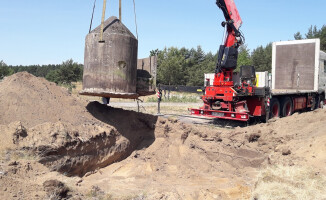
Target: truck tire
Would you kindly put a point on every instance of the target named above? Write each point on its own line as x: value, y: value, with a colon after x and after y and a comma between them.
x: 287, y: 107
x: 275, y: 108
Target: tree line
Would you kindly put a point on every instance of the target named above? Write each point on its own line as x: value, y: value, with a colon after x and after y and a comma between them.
x: 64, y: 73
x: 182, y: 66
x: 176, y: 66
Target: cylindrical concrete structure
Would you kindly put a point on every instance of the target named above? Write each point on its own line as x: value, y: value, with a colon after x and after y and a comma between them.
x: 110, y: 66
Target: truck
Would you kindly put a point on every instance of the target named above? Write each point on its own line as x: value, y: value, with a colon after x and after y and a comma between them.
x: 297, y: 81
x: 298, y: 75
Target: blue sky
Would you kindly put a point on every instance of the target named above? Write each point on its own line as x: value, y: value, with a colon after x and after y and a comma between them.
x: 49, y: 32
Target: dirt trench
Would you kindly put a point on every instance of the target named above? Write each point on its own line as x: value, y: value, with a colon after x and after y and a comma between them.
x: 74, y: 151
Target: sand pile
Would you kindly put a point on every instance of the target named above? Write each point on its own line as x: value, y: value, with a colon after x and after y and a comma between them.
x: 45, y: 120
x: 33, y: 101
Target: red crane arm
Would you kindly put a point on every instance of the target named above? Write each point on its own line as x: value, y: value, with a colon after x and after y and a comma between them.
x: 233, y: 22
x: 228, y: 53
x: 233, y: 13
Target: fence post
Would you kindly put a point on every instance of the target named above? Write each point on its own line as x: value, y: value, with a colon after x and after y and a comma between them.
x: 159, y: 98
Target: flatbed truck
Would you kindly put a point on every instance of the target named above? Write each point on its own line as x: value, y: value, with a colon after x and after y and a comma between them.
x: 297, y: 83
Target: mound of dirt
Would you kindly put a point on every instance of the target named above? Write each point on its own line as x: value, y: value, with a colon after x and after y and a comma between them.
x: 66, y: 136
x: 34, y: 101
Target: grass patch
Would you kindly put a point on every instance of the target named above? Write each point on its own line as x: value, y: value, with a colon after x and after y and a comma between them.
x: 289, y: 182
x: 177, y: 97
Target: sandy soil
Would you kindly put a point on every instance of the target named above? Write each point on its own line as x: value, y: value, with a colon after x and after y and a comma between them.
x: 57, y: 146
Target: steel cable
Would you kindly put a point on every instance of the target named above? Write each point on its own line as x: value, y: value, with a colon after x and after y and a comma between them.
x: 135, y: 19
x: 90, y: 26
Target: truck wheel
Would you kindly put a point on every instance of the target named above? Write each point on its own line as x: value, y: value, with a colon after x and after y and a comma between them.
x: 275, y: 108
x: 287, y: 108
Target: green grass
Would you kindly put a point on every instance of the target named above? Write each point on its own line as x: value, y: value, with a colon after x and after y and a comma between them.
x: 177, y: 97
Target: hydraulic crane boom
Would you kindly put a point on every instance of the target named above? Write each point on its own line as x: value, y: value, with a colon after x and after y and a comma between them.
x: 228, y: 52
x: 232, y: 17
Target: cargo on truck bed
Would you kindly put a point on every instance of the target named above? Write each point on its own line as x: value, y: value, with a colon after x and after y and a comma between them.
x: 298, y: 66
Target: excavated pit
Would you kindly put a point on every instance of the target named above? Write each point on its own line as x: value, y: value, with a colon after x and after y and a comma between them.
x: 74, y: 151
